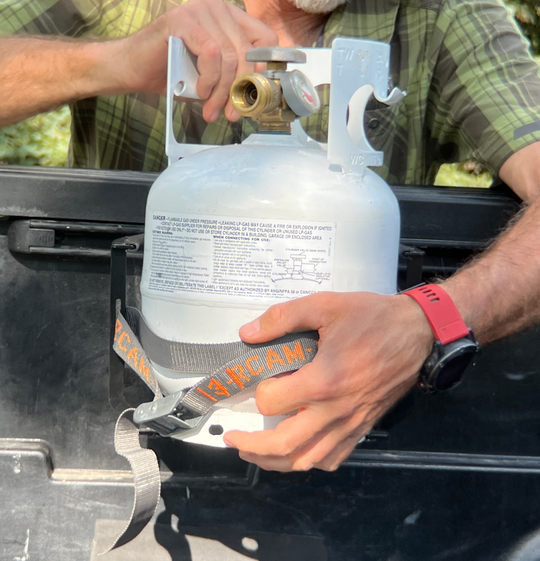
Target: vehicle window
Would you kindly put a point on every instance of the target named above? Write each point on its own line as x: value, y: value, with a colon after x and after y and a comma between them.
x: 43, y: 140
x: 467, y: 174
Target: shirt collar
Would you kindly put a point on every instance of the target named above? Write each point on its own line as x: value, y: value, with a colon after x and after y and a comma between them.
x: 374, y: 20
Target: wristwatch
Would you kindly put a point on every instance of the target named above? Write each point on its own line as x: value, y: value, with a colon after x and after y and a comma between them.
x: 455, y: 347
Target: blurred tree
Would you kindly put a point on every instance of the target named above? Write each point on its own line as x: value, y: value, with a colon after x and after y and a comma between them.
x: 527, y: 14
x: 42, y: 140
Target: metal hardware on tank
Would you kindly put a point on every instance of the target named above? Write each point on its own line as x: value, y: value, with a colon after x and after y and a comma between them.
x: 231, y: 230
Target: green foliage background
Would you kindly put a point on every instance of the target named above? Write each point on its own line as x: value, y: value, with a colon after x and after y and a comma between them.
x: 527, y: 14
x: 44, y: 139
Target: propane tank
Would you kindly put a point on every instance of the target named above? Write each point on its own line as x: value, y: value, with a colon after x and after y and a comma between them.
x: 232, y: 230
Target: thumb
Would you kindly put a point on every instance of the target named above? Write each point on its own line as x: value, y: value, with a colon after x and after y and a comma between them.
x: 296, y: 315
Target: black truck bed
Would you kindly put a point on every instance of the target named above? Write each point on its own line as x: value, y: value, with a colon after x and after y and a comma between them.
x: 453, y: 476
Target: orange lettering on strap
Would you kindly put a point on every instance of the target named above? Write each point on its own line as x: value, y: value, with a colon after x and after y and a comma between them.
x: 271, y: 358
x: 252, y: 371
x: 296, y: 354
x: 133, y: 355
x: 234, y: 377
x: 122, y: 337
x: 239, y: 369
x: 219, y: 388
x: 207, y: 395
x: 144, y: 369
x: 117, y: 328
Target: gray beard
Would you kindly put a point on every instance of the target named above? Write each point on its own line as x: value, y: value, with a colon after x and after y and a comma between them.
x: 317, y: 6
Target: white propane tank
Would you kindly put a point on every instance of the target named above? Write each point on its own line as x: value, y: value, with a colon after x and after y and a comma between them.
x: 232, y: 230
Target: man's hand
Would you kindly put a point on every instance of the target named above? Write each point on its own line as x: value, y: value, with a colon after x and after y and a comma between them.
x: 370, y: 351
x: 218, y: 33
x: 40, y: 73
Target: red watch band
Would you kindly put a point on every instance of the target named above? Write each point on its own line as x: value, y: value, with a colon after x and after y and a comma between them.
x: 443, y: 316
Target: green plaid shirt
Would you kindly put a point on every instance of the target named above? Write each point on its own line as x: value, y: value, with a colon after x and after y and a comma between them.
x: 473, y: 89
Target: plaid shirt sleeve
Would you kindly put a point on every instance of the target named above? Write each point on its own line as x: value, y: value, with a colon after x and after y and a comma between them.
x: 484, y: 96
x: 68, y: 18
x: 473, y: 88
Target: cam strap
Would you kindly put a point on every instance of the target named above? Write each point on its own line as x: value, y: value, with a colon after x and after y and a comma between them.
x: 146, y: 478
x: 227, y: 369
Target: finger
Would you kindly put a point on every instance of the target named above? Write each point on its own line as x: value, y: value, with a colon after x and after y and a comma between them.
x: 300, y: 314
x: 303, y: 459
x: 328, y: 453
x: 214, y: 37
x: 217, y: 63
x: 187, y: 25
x: 337, y: 444
x: 230, y: 113
x: 277, y: 463
x: 325, y: 450
x: 253, y: 34
x: 234, y: 45
x: 340, y: 452
x: 234, y: 41
x: 300, y: 389
x: 290, y: 436
x: 258, y: 33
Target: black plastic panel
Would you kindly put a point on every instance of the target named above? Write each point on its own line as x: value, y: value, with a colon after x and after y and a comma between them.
x: 453, y: 216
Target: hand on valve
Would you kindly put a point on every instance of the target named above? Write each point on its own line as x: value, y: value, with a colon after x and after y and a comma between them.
x: 218, y: 33
x: 371, y: 348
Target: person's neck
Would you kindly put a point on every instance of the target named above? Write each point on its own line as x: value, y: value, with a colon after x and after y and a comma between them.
x: 293, y: 26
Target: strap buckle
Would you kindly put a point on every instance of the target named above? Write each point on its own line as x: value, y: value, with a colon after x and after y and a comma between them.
x: 167, y: 415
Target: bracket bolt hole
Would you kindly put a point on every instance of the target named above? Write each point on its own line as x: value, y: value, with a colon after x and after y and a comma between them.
x: 215, y: 430
x: 250, y: 544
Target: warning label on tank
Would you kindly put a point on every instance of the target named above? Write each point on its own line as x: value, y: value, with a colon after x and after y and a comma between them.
x: 231, y: 259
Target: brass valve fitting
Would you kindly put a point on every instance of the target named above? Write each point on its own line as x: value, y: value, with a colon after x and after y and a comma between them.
x: 254, y: 94
x: 262, y: 97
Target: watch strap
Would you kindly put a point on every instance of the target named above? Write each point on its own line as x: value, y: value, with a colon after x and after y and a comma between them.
x: 443, y: 316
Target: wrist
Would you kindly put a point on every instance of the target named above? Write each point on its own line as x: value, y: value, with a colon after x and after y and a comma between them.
x: 107, y: 75
x: 444, y: 318
x: 455, y: 346
x: 459, y: 290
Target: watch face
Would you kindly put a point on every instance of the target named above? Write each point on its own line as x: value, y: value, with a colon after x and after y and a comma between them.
x: 446, y: 366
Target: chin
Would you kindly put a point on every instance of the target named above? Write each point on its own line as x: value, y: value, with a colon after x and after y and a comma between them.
x: 317, y: 6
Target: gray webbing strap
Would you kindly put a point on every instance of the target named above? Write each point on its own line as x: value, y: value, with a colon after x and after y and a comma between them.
x: 143, y: 462
x: 255, y: 364
x: 230, y: 368
x: 128, y: 348
x: 198, y: 358
x: 190, y: 358
x: 146, y: 475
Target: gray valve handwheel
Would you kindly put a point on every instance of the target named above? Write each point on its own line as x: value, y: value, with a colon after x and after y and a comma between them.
x: 275, y: 54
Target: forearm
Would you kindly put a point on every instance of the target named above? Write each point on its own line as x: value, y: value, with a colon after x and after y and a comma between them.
x: 39, y: 74
x: 498, y: 293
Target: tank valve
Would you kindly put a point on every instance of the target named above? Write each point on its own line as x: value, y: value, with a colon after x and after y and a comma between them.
x: 275, y: 97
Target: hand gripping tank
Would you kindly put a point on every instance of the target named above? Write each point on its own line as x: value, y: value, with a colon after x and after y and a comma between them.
x: 232, y: 230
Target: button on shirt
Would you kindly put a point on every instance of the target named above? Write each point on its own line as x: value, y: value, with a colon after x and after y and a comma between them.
x: 472, y: 87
